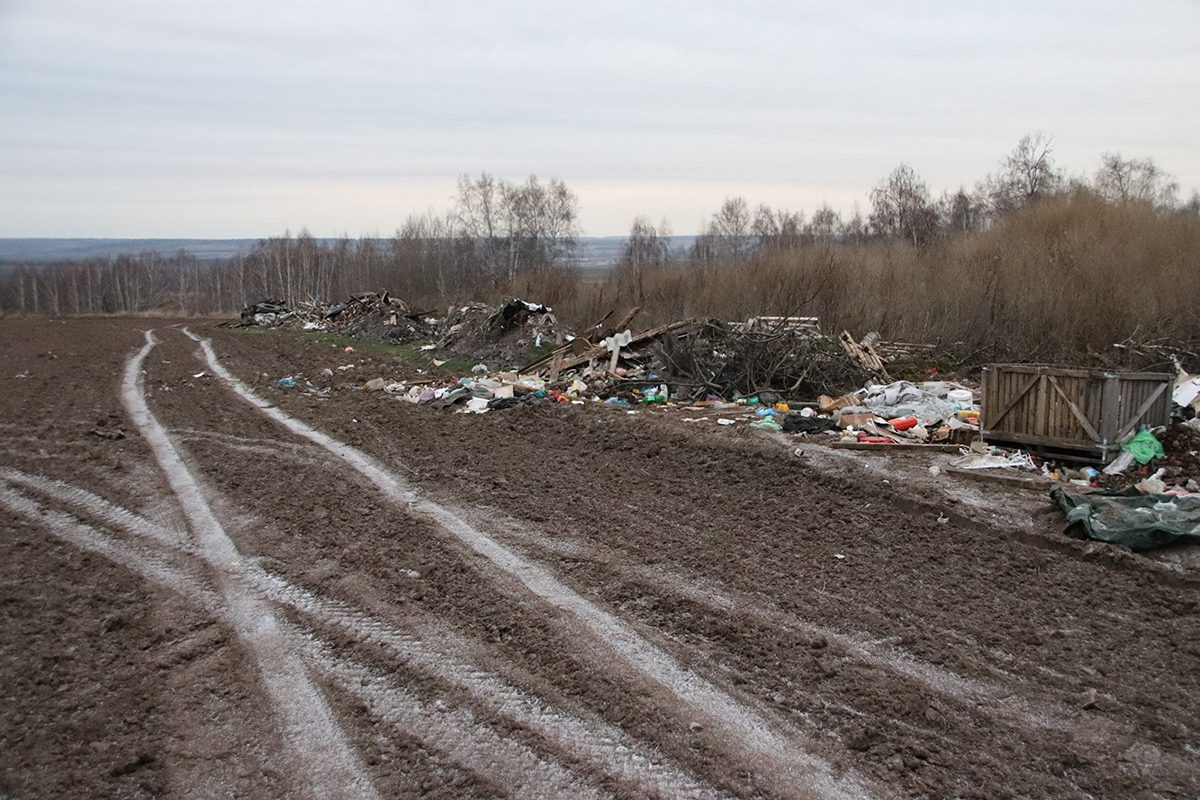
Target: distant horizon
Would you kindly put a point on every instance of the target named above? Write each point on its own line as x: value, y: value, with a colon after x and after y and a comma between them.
x: 17, y: 250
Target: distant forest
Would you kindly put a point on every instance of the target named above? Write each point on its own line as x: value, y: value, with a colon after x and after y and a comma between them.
x: 1029, y: 260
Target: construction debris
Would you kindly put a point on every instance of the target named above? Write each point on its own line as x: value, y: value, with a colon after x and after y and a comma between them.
x: 368, y: 315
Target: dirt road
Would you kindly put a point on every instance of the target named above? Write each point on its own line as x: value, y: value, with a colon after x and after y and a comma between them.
x: 213, y: 587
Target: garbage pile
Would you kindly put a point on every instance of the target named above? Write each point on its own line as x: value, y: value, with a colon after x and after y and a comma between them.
x: 367, y: 315
x: 482, y: 392
x: 724, y: 372
x: 729, y: 373
x: 266, y: 314
x: 506, y: 331
x: 928, y: 412
x: 509, y: 328
x: 376, y: 316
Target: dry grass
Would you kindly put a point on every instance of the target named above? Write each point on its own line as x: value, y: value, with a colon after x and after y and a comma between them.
x: 1063, y: 280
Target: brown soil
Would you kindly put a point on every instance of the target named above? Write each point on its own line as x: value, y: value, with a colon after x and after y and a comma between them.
x: 903, y: 632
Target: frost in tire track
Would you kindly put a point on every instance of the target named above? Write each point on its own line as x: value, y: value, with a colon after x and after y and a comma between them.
x: 784, y: 760
x: 319, y: 750
x: 86, y: 537
x: 455, y: 732
x: 607, y: 749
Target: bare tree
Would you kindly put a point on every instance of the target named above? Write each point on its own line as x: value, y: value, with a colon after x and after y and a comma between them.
x: 646, y: 250
x: 961, y: 212
x: 1027, y: 174
x: 1134, y: 180
x: 826, y: 224
x: 728, y: 233
x: 517, y: 227
x: 479, y: 214
x: 854, y: 229
x: 777, y: 230
x: 900, y: 206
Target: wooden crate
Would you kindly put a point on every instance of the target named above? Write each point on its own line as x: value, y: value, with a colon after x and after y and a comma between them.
x: 1083, y: 412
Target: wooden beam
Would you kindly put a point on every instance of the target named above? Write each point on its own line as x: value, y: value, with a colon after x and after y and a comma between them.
x: 1028, y: 482
x: 929, y: 448
x: 600, y: 351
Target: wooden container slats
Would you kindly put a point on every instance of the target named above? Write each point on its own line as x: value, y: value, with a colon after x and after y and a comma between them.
x: 1090, y: 412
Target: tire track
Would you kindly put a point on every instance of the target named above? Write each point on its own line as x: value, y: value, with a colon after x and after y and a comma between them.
x: 1003, y: 704
x: 454, y: 733
x: 304, y: 454
x: 146, y: 562
x: 607, y: 749
x: 318, y: 749
x: 787, y: 762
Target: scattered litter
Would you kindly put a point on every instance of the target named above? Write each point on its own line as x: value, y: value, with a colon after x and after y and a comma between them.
x: 995, y: 458
x: 477, y: 405
x: 286, y: 383
x: 1120, y: 464
x: 1144, y: 447
x: 1153, y: 484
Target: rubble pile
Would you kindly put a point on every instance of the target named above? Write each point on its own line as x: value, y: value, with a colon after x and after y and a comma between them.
x: 513, y: 327
x: 266, y: 314
x: 375, y: 316
x: 505, y: 331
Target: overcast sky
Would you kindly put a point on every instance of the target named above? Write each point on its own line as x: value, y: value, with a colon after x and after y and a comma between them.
x: 241, y: 119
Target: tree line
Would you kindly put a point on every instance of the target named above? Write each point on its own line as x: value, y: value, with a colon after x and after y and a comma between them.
x: 499, y: 235
x: 966, y: 265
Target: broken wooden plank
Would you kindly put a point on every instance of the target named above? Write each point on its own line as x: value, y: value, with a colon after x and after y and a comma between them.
x: 1027, y: 481
x: 623, y: 322
x: 929, y: 448
x: 600, y: 351
x: 864, y: 353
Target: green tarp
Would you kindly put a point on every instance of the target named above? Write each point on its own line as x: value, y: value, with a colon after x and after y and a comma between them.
x: 1138, y: 521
